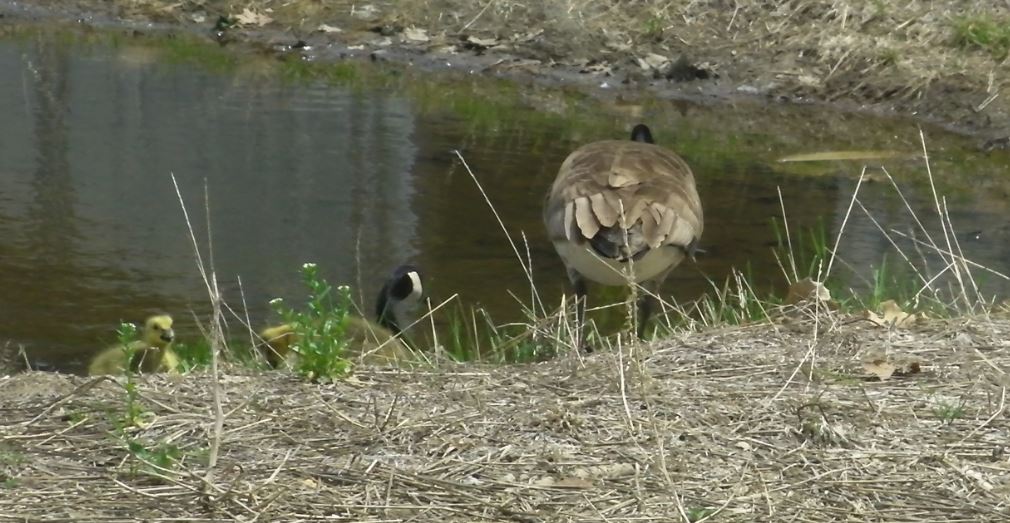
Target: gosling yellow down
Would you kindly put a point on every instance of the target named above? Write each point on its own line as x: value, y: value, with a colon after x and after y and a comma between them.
x: 620, y: 212
x: 152, y: 353
x: 373, y: 342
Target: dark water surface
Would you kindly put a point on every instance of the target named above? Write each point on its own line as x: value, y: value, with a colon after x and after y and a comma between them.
x: 362, y: 179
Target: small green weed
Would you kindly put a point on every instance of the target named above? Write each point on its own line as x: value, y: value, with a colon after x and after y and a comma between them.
x: 321, y: 340
x: 948, y: 412
x: 888, y: 56
x: 984, y: 34
x: 653, y: 28
x: 152, y: 459
x: 75, y: 417
x: 10, y: 457
x: 699, y: 513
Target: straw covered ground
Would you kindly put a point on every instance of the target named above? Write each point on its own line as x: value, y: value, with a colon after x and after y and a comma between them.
x: 785, y: 421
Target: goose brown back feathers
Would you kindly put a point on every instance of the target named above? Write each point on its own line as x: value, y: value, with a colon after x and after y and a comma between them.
x: 653, y: 185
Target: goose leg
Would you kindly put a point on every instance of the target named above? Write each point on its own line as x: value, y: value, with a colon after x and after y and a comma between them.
x: 579, y: 284
x: 648, y: 301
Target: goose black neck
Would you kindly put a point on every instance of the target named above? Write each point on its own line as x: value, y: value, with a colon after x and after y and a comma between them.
x: 384, y: 313
x: 641, y: 133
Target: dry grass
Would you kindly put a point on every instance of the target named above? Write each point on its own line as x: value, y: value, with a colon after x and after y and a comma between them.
x: 766, y: 423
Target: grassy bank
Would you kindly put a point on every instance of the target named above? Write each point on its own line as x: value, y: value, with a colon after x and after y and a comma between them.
x: 935, y: 60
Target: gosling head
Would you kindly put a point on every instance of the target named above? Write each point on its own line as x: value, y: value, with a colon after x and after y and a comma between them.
x: 158, y: 331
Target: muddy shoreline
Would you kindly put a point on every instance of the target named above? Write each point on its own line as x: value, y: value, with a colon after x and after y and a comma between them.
x: 953, y: 101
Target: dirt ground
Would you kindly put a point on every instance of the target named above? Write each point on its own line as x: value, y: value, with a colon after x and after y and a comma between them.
x: 777, y: 422
x: 940, y: 61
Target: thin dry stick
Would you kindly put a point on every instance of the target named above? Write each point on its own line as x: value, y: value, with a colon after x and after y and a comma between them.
x: 960, y: 259
x: 753, y: 294
x: 473, y: 325
x: 215, y: 299
x: 434, y: 331
x: 216, y: 344
x: 789, y: 240
x: 411, y: 324
x: 528, y: 271
x: 248, y: 323
x: 529, y: 263
x: 892, y: 242
x: 624, y: 386
x: 999, y: 410
x: 908, y: 207
x: 939, y: 211
x: 845, y: 220
x: 964, y: 266
x: 629, y: 278
x: 479, y: 14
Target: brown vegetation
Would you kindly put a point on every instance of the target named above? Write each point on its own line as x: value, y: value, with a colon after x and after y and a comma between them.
x: 782, y: 422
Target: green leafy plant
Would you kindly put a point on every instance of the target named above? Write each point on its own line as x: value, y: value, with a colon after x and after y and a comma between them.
x: 162, y: 455
x: 126, y: 334
x: 320, y: 336
x: 152, y: 460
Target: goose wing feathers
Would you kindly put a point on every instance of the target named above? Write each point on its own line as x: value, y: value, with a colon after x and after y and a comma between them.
x: 652, y: 186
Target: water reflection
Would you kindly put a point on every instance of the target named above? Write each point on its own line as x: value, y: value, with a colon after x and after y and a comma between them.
x: 294, y: 174
x: 361, y: 181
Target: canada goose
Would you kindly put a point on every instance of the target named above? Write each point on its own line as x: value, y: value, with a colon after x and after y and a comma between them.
x: 662, y: 223
x: 375, y: 342
x: 152, y: 353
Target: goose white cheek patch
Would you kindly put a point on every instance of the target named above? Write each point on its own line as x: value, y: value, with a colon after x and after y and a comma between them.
x: 415, y: 286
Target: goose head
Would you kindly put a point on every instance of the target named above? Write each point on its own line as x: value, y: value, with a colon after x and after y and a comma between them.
x: 403, y: 288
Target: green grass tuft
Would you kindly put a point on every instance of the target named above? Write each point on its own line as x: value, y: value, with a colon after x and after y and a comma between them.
x: 983, y: 34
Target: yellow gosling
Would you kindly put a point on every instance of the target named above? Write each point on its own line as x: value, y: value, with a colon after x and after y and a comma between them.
x: 152, y: 353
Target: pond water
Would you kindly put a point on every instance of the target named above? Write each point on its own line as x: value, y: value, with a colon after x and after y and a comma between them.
x: 360, y: 178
